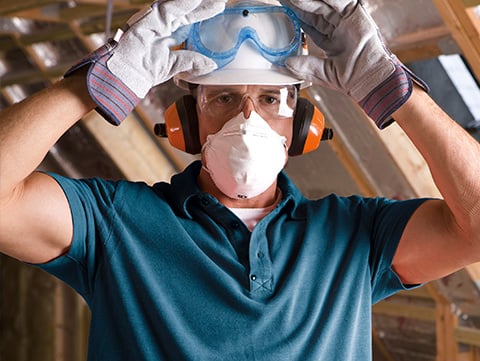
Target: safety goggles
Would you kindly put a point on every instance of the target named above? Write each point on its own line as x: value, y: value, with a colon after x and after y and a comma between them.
x: 225, y: 102
x: 274, y: 30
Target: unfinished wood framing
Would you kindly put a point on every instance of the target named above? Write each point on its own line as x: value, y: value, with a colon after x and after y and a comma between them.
x: 446, y: 323
x: 471, y: 3
x: 417, y: 46
x: 132, y: 148
x: 464, y: 26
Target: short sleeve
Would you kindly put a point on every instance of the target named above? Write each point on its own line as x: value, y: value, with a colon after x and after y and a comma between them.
x: 389, y: 221
x: 92, y: 214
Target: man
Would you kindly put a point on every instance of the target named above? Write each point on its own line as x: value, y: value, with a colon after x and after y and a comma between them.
x: 170, y: 272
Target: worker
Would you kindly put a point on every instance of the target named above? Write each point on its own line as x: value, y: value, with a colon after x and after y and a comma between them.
x: 229, y: 261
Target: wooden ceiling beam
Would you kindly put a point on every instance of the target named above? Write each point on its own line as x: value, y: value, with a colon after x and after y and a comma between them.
x: 49, y: 35
x: 426, y: 35
x: 118, y: 20
x: 116, y: 3
x: 59, y: 14
x: 7, y: 42
x: 8, y: 7
x: 104, y: 2
x: 31, y: 76
x: 60, y: 11
x: 470, y: 3
x: 465, y: 28
x: 132, y: 149
x: 419, y: 45
x: 418, y: 53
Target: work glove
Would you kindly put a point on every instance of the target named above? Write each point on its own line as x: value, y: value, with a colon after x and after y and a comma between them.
x: 356, y: 61
x: 142, y: 55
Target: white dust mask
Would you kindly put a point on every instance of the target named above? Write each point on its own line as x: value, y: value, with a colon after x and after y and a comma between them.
x: 245, y: 156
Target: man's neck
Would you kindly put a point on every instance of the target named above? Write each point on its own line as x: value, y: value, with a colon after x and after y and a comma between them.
x: 263, y: 200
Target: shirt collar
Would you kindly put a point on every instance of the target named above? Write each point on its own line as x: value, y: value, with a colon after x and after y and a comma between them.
x: 184, y: 187
x: 292, y: 197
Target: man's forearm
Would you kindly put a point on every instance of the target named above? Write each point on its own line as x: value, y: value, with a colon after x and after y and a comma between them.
x: 30, y: 128
x: 451, y: 154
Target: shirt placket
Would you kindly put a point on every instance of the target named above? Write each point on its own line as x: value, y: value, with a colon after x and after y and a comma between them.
x: 251, y: 248
x: 261, y: 277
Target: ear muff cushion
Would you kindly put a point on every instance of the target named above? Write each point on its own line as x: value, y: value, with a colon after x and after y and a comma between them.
x: 182, y: 125
x: 308, y: 128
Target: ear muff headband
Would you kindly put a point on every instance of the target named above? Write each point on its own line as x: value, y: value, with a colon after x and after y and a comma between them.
x: 181, y: 127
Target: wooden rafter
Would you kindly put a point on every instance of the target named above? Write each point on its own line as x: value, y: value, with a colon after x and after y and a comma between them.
x: 465, y: 28
x: 8, y: 7
x: 470, y: 3
x: 419, y: 45
x: 58, y: 11
x: 131, y: 148
x: 14, y: 7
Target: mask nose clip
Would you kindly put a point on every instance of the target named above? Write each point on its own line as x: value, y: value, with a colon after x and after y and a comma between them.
x: 247, y: 106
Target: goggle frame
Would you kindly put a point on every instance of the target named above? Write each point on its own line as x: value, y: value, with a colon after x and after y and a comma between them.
x: 273, y: 55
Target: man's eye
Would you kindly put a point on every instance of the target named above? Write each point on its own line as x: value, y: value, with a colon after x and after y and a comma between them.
x: 269, y: 100
x: 224, y: 99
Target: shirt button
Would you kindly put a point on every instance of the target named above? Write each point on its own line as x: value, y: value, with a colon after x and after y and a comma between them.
x: 205, y: 201
x: 253, y: 277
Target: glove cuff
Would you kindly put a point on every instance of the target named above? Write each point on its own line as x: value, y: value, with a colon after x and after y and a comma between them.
x: 114, y: 99
x: 390, y: 95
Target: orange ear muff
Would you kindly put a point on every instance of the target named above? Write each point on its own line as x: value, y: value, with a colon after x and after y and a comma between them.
x: 308, y: 128
x: 181, y: 125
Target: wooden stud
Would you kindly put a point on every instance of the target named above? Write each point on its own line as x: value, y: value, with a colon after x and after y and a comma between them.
x: 446, y: 323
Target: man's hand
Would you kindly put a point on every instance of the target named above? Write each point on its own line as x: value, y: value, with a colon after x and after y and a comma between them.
x: 357, y: 63
x: 125, y: 69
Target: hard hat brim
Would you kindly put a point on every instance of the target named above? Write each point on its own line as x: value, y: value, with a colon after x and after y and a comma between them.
x: 241, y: 77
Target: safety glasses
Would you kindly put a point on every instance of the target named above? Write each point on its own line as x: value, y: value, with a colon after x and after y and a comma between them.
x: 225, y: 102
x: 274, y: 30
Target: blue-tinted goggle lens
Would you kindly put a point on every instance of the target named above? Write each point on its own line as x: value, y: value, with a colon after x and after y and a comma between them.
x: 274, y: 30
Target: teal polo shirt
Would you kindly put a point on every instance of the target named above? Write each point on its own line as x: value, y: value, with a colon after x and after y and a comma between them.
x: 169, y: 273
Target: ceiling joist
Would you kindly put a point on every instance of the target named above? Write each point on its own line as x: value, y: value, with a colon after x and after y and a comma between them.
x: 464, y: 25
x: 419, y: 45
x: 8, y: 7
x: 57, y: 13
x: 471, y: 3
